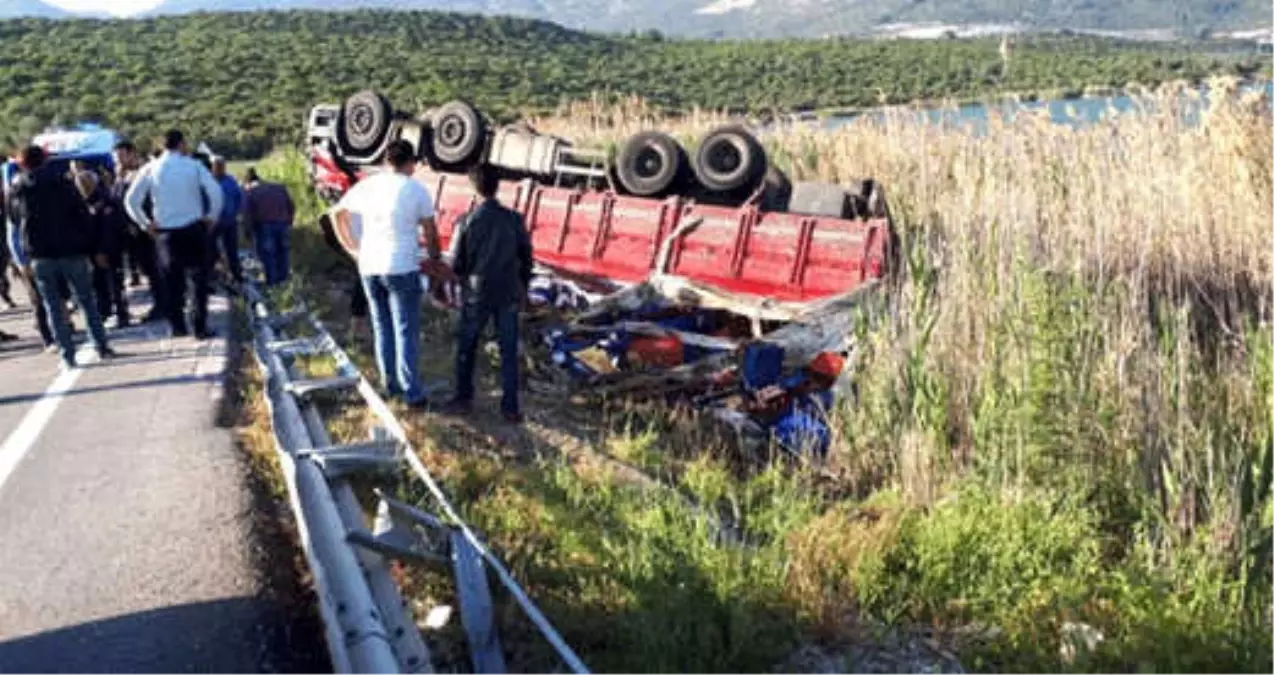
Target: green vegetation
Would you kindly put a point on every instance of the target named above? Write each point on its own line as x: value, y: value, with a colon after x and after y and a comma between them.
x: 243, y: 82
x: 1059, y: 458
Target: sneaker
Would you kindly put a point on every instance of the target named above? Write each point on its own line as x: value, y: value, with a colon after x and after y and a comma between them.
x: 8, y: 337
x: 51, y: 348
x: 106, y: 353
x: 180, y: 333
x: 206, y: 334
x: 420, y: 404
x: 513, y: 418
x: 66, y: 366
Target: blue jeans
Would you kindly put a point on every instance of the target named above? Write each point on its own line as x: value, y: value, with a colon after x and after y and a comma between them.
x: 394, y: 308
x: 474, y: 316
x: 49, y: 273
x: 272, y: 249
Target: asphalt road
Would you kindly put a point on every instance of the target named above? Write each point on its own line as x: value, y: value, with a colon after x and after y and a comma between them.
x: 128, y: 536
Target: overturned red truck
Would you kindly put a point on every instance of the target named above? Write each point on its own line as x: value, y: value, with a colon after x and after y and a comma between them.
x: 703, y: 272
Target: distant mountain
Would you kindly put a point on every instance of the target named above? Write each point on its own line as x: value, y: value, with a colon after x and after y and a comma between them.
x: 804, y: 18
x: 12, y: 9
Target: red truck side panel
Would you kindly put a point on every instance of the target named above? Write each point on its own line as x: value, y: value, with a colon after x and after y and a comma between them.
x: 784, y: 256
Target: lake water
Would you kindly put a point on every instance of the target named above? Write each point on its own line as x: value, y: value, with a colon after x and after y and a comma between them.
x: 1070, y: 112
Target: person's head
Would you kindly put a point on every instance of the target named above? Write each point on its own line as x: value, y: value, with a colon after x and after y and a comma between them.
x: 250, y: 176
x: 78, y: 166
x: 32, y: 157
x: 401, y: 156
x: 218, y: 166
x: 175, y: 141
x: 484, y: 179
x: 125, y: 156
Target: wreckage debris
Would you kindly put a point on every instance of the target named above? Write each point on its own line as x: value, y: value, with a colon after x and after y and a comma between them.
x: 648, y: 345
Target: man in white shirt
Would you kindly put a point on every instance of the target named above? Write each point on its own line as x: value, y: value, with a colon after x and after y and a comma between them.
x: 395, y: 210
x: 186, y: 199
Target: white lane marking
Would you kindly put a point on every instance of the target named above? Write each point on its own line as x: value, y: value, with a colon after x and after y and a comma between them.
x: 20, y: 442
x: 23, y: 438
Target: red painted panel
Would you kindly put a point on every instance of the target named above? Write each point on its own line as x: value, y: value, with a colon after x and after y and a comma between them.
x: 783, y: 256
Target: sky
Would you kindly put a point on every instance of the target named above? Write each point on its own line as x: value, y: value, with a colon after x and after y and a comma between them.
x: 116, y: 7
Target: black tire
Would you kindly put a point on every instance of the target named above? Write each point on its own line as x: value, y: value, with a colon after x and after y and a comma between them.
x: 364, y: 122
x: 651, y: 164
x: 730, y: 160
x: 457, y: 134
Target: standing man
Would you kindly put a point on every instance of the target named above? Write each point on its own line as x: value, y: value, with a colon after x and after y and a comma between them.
x: 491, y: 254
x: 225, y: 237
x: 270, y: 213
x: 58, y: 238
x: 179, y: 187
x: 108, y: 273
x: 395, y: 210
x: 23, y: 266
x: 139, y: 242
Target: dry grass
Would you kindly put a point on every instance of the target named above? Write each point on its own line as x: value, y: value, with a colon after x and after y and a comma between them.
x: 1063, y: 416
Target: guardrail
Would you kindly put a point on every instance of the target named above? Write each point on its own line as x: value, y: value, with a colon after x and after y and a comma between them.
x: 369, y: 627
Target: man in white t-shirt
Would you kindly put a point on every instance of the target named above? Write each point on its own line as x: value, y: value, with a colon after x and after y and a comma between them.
x: 394, y: 211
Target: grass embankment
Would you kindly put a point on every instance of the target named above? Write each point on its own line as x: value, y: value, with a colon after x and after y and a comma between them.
x: 1059, y: 457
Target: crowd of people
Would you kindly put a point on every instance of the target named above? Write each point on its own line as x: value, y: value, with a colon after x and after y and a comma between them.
x: 78, y: 233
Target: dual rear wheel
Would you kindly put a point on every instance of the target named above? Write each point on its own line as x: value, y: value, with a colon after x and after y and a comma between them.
x: 728, y: 163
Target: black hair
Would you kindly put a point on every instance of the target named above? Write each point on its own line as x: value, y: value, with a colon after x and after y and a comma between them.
x: 251, y: 175
x: 400, y: 153
x: 484, y: 179
x: 173, y: 139
x: 32, y: 157
x: 126, y: 146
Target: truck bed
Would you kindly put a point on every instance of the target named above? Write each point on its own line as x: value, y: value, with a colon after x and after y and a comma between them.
x: 783, y: 257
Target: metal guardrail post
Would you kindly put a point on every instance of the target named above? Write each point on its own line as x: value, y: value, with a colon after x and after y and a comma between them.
x: 357, y: 640
x: 357, y: 597
x: 391, y: 426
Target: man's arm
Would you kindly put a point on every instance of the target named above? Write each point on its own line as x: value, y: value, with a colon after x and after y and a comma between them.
x: 428, y: 225
x: 459, y: 248
x: 135, y: 200
x: 212, y: 190
x: 291, y: 207
x: 526, y: 260
x: 433, y: 243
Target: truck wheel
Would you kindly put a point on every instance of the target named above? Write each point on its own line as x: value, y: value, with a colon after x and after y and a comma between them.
x: 458, y: 132
x: 364, y: 122
x: 651, y: 164
x: 730, y: 160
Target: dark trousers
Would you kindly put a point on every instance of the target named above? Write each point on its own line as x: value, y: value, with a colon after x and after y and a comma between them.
x: 183, y: 252
x: 143, y: 256
x: 272, y: 249
x: 4, y: 280
x: 37, y: 301
x: 108, y: 286
x: 224, y: 245
x: 474, y: 316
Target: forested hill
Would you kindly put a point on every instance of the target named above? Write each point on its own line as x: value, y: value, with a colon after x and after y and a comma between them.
x: 244, y: 81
